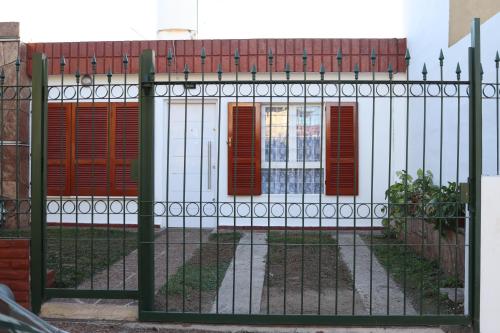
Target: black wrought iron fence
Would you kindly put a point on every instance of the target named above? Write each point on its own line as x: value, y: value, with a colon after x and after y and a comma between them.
x: 261, y: 197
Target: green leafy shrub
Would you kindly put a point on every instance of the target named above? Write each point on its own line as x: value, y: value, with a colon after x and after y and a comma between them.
x: 420, y: 198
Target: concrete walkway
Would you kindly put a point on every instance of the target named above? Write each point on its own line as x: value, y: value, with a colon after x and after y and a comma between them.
x: 125, y: 270
x: 380, y: 289
x: 242, y: 275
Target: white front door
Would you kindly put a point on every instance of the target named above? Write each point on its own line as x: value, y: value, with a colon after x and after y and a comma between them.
x: 192, y: 164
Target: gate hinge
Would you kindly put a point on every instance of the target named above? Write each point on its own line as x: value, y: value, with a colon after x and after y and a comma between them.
x: 464, y: 193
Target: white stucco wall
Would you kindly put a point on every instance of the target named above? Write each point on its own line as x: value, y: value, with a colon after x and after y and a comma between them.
x: 382, y: 175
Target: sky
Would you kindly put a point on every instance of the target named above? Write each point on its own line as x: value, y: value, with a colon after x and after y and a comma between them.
x: 66, y: 20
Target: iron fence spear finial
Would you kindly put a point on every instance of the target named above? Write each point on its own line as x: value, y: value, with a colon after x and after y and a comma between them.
x: 186, y: 72
x: 62, y: 63
x: 287, y: 71
x: 219, y: 72
x: 169, y: 56
x: 356, y: 71
x: 458, y: 71
x: 203, y: 55
x: 407, y: 57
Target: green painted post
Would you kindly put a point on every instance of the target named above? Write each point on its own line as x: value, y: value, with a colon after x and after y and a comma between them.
x: 38, y: 179
x: 146, y: 181
x: 475, y: 169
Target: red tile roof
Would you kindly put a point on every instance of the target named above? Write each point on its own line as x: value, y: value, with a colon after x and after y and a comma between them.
x: 252, y: 51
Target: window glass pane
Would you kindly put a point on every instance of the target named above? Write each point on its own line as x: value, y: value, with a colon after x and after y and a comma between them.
x: 311, y: 119
x: 279, y: 181
x: 275, y: 116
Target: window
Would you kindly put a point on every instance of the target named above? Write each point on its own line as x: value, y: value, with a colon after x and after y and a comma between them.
x: 296, y: 170
x: 91, y: 148
x: 276, y: 119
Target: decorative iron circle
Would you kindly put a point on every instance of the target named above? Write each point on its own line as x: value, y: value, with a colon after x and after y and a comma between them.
x: 228, y: 90
x: 134, y: 209
x: 279, y: 90
x: 489, y: 91
x: 71, y: 209
x: 399, y: 89
x: 225, y: 204
x: 245, y: 90
x: 190, y: 209
x: 290, y: 210
x: 262, y: 90
x: 101, y: 91
x: 88, y: 208
x: 308, y: 212
x: 69, y: 92
x: 365, y: 90
x: 328, y: 208
x: 176, y: 205
x: 361, y: 215
x: 103, y: 207
x: 255, y: 209
x: 213, y: 209
x: 382, y: 89
x: 133, y: 91
x: 246, y: 213
x: 116, y: 206
x: 330, y: 90
x: 343, y: 213
x: 279, y: 207
x: 451, y: 93
x: 85, y: 92
x: 380, y: 210
x: 211, y: 90
x: 25, y: 93
x: 160, y: 208
x: 348, y: 90
x: 433, y: 90
x: 296, y: 90
x: 52, y: 207
x: 117, y: 91
x: 54, y: 93
x: 314, y: 90
x: 416, y: 90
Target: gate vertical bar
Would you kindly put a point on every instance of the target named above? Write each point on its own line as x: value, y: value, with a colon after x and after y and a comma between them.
x: 475, y: 169
x: 38, y: 179
x: 146, y: 181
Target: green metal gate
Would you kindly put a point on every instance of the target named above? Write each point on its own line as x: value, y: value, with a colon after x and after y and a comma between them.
x: 346, y: 254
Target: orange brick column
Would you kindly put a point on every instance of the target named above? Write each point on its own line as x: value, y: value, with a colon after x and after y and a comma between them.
x: 15, y: 268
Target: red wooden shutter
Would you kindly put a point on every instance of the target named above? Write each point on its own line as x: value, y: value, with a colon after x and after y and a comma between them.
x: 126, y: 147
x: 58, y: 149
x: 244, y: 171
x: 341, y: 164
x: 90, y: 174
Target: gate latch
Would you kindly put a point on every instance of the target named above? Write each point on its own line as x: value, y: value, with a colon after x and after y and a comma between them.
x: 464, y: 193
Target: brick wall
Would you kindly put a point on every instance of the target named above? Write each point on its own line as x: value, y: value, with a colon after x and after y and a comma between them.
x: 15, y: 268
x: 15, y: 133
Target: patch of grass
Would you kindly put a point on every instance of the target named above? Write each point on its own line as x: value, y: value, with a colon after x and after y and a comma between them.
x: 296, y: 238
x: 77, y: 254
x: 189, y: 274
x: 419, y: 274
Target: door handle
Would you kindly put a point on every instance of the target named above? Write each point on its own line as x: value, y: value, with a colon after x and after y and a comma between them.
x: 209, y: 165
